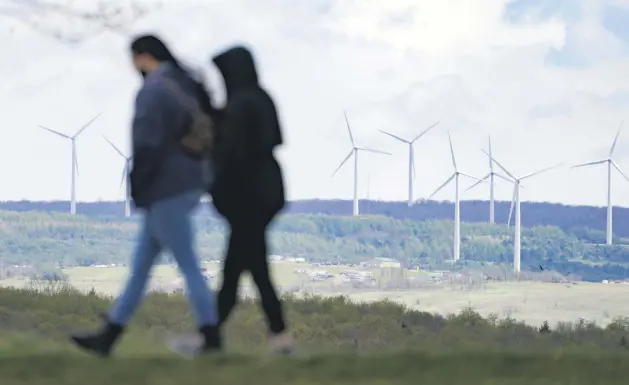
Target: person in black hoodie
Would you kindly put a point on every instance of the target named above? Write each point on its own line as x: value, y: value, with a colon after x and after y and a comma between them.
x: 248, y: 189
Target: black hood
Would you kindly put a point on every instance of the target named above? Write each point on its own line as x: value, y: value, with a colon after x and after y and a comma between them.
x: 238, y: 69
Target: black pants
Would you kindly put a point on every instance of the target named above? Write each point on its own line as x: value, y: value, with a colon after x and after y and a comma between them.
x: 247, y: 251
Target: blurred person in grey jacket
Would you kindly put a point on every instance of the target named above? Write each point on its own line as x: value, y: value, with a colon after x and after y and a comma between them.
x: 167, y: 183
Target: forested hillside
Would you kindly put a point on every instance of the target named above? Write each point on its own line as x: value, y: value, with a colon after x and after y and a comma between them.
x: 533, y: 214
x: 58, y: 239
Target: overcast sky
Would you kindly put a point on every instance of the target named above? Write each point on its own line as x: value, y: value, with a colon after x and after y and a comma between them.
x: 547, y: 79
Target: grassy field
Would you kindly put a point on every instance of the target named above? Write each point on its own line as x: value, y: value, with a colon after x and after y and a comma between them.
x: 402, y: 368
x: 108, y: 280
x: 379, y: 343
x: 25, y: 361
x: 532, y: 302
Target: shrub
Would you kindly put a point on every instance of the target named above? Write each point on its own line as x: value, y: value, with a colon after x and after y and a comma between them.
x: 321, y: 323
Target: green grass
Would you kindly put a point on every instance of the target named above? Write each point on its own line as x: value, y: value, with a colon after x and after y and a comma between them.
x: 380, y: 343
x: 331, y: 369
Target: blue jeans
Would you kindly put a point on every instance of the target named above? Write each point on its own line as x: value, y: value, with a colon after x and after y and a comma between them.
x: 167, y: 225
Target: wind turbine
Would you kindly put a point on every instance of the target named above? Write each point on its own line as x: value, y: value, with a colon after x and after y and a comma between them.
x: 354, y: 151
x: 492, y: 183
x: 411, y: 159
x: 457, y: 203
x: 610, y: 162
x: 515, y: 201
x: 75, y: 164
x: 125, y: 173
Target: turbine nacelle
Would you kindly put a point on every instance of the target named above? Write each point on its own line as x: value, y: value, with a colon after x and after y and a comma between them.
x: 457, y: 218
x: 411, y: 152
x: 456, y: 173
x: 354, y: 151
x: 75, y: 163
x: 610, y: 162
x: 517, y: 182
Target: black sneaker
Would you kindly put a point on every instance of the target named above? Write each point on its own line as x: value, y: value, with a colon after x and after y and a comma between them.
x: 100, y: 343
x: 212, y: 341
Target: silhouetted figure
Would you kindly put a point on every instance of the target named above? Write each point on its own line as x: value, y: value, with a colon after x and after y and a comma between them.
x: 249, y: 189
x: 167, y: 181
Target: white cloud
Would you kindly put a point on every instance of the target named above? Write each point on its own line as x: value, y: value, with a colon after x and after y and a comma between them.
x: 398, y: 65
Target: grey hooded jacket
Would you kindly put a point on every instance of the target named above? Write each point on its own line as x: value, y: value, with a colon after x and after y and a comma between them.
x: 161, y: 169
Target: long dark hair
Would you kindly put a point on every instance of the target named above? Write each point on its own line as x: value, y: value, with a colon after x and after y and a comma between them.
x: 154, y: 46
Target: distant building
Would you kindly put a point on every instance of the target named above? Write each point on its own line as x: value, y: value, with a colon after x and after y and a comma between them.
x: 377, y: 263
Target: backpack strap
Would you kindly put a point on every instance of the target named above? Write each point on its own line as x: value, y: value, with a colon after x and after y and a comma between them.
x: 199, y: 136
x: 188, y: 102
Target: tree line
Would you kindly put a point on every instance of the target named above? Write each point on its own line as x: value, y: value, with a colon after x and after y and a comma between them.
x: 53, y: 240
x: 533, y: 213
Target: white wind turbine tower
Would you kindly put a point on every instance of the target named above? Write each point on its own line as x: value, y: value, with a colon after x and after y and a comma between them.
x: 610, y: 162
x: 411, y: 158
x: 492, y: 184
x: 457, y: 202
x: 125, y: 173
x: 75, y: 164
x: 515, y: 201
x: 354, y: 151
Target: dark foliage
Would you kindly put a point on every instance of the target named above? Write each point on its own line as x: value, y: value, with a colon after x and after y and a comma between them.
x: 575, y: 218
x: 333, y: 323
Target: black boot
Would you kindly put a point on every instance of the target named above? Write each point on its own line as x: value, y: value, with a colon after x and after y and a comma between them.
x: 100, y: 343
x: 211, y: 338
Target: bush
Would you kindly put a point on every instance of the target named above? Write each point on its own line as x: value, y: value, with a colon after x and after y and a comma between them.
x: 320, y: 323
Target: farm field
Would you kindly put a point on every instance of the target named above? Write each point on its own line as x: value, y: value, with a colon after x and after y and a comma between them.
x: 531, y: 302
x: 108, y: 280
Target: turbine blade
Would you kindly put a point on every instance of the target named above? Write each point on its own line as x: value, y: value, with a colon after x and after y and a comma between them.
x: 86, y: 125
x: 541, y: 171
x: 515, y: 190
x: 501, y: 166
x: 443, y: 185
x: 394, y: 136
x: 423, y: 132
x: 372, y: 150
x: 115, y: 148
x: 452, y: 151
x: 471, y: 176
x: 76, y: 157
x: 124, y: 174
x: 503, y: 177
x: 589, y: 163
x: 343, y: 162
x: 54, y: 132
x: 620, y: 171
x: 611, y: 152
x: 491, y: 163
x: 412, y: 159
x: 351, y: 137
x: 477, y: 183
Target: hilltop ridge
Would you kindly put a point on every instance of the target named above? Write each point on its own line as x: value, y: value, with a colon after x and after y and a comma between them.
x: 533, y: 213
